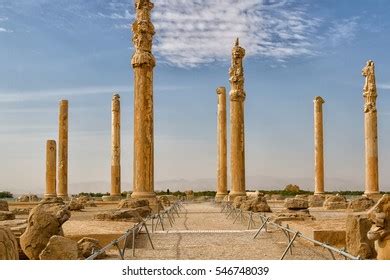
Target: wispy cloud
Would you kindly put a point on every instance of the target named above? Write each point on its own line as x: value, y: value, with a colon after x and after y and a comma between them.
x: 342, y: 31
x: 190, y: 32
x: 21, y: 96
x: 3, y: 29
x: 385, y: 86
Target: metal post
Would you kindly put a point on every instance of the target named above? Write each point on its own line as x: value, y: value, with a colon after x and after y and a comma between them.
x: 262, y: 226
x: 289, y: 245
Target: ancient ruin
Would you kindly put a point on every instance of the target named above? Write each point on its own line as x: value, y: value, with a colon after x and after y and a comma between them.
x: 370, y: 129
x: 143, y: 63
x: 237, y: 98
x: 115, y: 193
x: 51, y: 170
x: 318, y: 146
x: 63, y: 150
x: 222, y: 146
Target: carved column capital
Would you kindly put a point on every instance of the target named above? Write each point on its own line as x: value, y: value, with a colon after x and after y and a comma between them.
x: 236, y: 73
x: 143, y: 31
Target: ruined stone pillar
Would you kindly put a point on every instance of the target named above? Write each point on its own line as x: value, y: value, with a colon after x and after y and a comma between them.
x: 318, y: 146
x: 143, y: 63
x: 51, y: 171
x: 371, y: 130
x: 237, y: 98
x: 221, y: 144
x: 116, y: 147
x: 63, y: 150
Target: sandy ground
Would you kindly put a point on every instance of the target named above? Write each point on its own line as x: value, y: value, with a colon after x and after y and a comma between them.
x: 203, y: 232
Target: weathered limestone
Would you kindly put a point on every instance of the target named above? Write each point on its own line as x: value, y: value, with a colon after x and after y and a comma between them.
x: 8, y: 245
x: 115, y: 193
x: 334, y: 202
x: 4, y: 205
x: 143, y: 63
x: 318, y: 146
x: 44, y: 221
x: 255, y: 204
x: 380, y: 230
x: 63, y: 150
x: 51, y: 171
x: 371, y: 129
x: 357, y: 243
x: 87, y: 246
x: 60, y: 248
x: 296, y: 203
x: 360, y: 204
x: 237, y: 98
x: 222, y: 146
x: 6, y: 215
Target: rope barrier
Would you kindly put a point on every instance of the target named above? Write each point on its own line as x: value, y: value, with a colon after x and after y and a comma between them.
x: 228, y: 208
x: 137, y: 228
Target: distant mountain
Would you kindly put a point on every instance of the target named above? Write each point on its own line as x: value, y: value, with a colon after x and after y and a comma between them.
x: 203, y: 184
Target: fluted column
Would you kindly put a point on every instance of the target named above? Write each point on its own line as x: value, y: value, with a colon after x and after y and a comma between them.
x: 370, y: 129
x: 143, y: 63
x: 115, y: 147
x: 51, y: 171
x: 237, y: 98
x: 63, y: 150
x: 221, y: 145
x: 318, y: 146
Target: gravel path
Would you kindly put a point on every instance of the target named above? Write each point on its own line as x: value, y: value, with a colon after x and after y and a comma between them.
x: 202, y: 232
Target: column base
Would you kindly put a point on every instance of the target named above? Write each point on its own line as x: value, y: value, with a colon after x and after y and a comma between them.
x: 49, y: 195
x: 142, y: 195
x: 319, y: 193
x: 233, y: 195
x: 220, y: 196
x: 111, y: 197
x: 373, y: 195
x: 154, y: 203
x: 64, y: 197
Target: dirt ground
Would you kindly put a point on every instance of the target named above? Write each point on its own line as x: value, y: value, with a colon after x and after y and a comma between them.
x: 202, y: 232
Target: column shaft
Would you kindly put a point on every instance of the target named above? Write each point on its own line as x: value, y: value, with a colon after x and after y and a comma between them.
x: 51, y: 172
x: 237, y: 98
x: 63, y: 150
x: 221, y: 145
x: 143, y: 63
x: 116, y: 146
x: 370, y: 130
x: 318, y: 146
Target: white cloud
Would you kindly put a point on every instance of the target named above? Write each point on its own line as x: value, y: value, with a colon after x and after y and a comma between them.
x: 193, y: 32
x: 344, y: 30
x: 5, y: 30
x: 22, y: 96
x: 384, y: 86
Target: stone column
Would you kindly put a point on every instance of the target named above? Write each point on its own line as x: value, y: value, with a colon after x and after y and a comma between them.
x: 318, y: 146
x: 116, y: 148
x: 63, y: 150
x: 51, y: 171
x: 221, y: 144
x: 237, y: 98
x: 143, y: 63
x: 371, y: 131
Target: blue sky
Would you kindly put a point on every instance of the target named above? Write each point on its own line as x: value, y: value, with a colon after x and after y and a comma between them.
x: 80, y: 50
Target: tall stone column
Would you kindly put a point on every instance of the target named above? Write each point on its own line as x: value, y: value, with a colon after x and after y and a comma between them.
x: 237, y: 98
x: 116, y: 148
x: 318, y: 146
x: 51, y: 171
x: 371, y: 130
x: 143, y: 63
x: 222, y: 146
x: 63, y: 150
